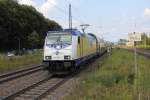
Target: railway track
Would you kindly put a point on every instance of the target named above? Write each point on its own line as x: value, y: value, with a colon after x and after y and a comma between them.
x: 143, y: 52
x: 42, y: 88
x: 39, y: 90
x: 20, y: 73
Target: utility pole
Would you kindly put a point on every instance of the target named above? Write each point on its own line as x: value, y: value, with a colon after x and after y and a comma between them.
x: 84, y: 26
x: 145, y: 38
x: 137, y: 81
x: 135, y: 55
x: 19, y: 45
x: 70, y: 17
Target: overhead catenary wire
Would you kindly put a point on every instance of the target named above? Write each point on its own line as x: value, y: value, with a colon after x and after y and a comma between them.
x: 73, y: 17
x: 65, y: 12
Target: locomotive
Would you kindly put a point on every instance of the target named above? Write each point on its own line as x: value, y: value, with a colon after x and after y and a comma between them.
x: 66, y: 50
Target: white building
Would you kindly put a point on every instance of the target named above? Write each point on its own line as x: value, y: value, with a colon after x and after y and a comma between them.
x: 132, y: 38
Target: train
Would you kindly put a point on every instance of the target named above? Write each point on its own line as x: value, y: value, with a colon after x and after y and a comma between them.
x: 66, y: 50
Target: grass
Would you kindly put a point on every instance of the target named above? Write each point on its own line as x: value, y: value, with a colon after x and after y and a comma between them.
x: 116, y: 79
x: 10, y: 64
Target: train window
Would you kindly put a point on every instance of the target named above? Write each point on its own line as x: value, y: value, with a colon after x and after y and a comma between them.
x: 78, y: 40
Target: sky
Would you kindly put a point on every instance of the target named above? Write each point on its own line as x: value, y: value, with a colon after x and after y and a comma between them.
x: 108, y: 19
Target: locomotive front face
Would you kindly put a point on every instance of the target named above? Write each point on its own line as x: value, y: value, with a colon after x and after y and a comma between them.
x: 58, y: 47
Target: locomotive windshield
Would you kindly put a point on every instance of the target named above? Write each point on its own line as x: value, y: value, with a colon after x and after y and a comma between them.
x: 58, y: 38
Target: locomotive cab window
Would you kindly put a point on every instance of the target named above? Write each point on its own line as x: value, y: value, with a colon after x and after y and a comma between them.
x: 58, y: 38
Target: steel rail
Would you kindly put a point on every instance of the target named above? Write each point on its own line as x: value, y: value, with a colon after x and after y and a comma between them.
x: 44, y: 90
x: 19, y: 73
x: 12, y: 96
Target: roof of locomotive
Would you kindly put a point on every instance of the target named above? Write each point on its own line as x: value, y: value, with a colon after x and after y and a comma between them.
x: 69, y: 31
x: 93, y: 35
x: 74, y: 32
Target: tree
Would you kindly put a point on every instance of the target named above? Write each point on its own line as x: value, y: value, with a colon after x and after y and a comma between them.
x: 18, y: 21
x: 52, y: 25
x: 144, y: 39
x: 33, y: 39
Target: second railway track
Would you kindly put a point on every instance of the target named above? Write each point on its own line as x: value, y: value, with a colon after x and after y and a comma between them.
x: 143, y: 52
x: 19, y: 73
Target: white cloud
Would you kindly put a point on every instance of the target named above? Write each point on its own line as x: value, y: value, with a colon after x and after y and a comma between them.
x: 147, y: 12
x: 44, y: 8
x: 47, y: 7
x: 27, y: 2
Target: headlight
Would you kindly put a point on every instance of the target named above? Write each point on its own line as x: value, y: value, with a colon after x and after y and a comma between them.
x: 48, y: 57
x: 67, y: 57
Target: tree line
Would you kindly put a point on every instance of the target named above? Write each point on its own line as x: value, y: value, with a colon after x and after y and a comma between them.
x: 145, y: 40
x: 22, y: 25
